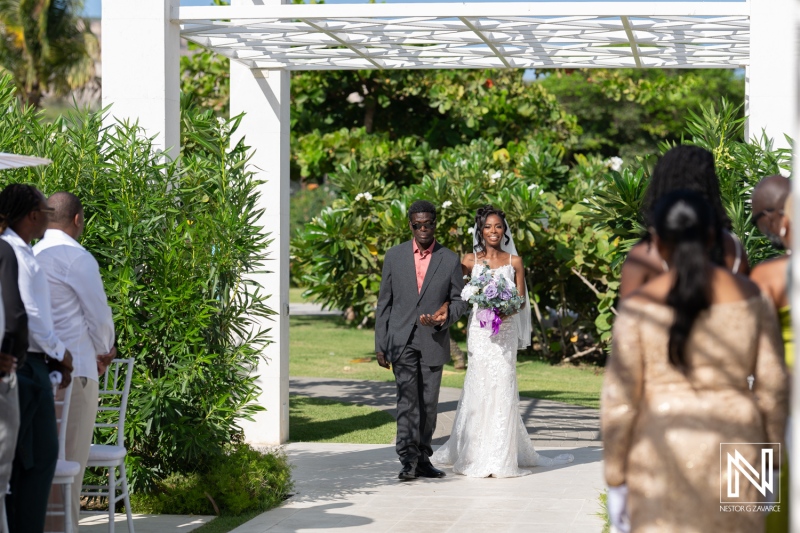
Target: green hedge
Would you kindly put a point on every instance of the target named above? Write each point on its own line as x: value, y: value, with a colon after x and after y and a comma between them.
x: 175, y: 242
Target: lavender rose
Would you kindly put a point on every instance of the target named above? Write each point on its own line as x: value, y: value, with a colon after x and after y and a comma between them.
x: 505, y: 295
x: 491, y: 290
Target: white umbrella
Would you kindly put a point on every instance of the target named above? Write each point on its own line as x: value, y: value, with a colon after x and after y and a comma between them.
x: 18, y: 161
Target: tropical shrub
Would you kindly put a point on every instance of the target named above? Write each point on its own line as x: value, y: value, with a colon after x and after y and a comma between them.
x: 740, y: 165
x: 175, y: 242
x: 240, y: 480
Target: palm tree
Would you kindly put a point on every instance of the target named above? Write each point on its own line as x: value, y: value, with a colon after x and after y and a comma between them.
x: 46, y: 46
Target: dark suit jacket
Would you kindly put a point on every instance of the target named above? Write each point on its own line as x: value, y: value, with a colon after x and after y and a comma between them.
x: 400, y: 305
x: 16, y: 338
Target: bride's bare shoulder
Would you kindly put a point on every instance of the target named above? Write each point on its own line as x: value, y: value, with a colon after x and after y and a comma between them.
x: 468, y: 259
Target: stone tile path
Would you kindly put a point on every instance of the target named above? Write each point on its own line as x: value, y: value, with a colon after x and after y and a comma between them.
x: 352, y: 488
x: 142, y: 523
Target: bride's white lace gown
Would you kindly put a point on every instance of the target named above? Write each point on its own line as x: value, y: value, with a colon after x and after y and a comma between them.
x: 489, y: 437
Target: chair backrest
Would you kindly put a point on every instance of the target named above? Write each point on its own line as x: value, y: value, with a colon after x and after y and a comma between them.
x: 62, y: 416
x: 115, y: 385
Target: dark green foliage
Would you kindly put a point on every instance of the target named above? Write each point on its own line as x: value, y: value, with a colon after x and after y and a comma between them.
x: 175, y: 242
x: 628, y: 112
x: 239, y: 481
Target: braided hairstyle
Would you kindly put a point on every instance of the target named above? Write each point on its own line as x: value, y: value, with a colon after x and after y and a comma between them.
x: 480, y: 221
x: 689, y: 168
x: 684, y: 221
x: 16, y: 202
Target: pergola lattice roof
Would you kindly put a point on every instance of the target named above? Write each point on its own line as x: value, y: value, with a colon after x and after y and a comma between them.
x: 475, y: 35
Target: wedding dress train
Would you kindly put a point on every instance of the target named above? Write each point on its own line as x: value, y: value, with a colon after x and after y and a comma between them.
x: 489, y: 437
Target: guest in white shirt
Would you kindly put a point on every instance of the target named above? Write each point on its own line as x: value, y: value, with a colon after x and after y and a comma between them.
x: 23, y: 217
x: 82, y: 321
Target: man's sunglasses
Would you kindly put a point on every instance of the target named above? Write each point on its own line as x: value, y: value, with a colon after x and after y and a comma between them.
x: 424, y: 225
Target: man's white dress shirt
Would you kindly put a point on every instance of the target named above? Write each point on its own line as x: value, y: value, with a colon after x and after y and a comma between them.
x: 35, y: 294
x: 81, y: 315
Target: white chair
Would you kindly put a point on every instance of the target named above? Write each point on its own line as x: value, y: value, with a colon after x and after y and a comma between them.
x: 65, y: 470
x: 115, y: 386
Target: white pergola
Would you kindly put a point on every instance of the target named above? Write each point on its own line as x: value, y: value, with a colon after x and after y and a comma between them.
x: 266, y: 39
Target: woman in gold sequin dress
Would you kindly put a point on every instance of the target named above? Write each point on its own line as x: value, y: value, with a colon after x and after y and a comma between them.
x: 676, y: 384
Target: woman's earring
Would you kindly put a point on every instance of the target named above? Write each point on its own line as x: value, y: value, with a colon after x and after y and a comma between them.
x: 782, y: 232
x: 664, y: 265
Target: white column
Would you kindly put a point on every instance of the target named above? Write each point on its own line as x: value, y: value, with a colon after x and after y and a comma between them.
x: 264, y: 98
x: 794, y: 451
x: 141, y: 67
x: 770, y: 98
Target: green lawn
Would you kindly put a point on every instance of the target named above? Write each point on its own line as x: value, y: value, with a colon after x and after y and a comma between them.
x: 325, y: 347
x: 318, y: 420
x: 296, y: 295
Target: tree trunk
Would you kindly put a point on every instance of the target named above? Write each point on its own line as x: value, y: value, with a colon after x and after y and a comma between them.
x: 370, y: 105
x: 457, y: 355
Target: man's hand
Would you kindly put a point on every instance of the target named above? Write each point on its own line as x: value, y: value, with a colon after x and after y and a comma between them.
x: 66, y: 368
x: 438, y: 318
x: 104, y: 360
x: 8, y: 363
x: 382, y: 360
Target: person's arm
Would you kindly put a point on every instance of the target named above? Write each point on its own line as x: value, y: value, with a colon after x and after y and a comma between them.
x: 84, y: 278
x: 622, y: 392
x: 637, y: 270
x: 457, y: 306
x: 771, y: 387
x: 383, y: 312
x: 35, y: 295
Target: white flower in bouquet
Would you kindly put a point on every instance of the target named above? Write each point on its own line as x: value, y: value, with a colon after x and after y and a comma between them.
x: 363, y: 196
x: 468, y: 292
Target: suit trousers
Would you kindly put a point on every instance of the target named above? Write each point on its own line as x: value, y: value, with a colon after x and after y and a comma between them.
x: 37, y: 449
x: 417, y: 399
x: 80, y: 429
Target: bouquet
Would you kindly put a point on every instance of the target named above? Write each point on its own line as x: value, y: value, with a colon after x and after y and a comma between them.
x: 494, y: 295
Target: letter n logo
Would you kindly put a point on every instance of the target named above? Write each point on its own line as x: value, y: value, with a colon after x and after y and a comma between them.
x: 736, y: 467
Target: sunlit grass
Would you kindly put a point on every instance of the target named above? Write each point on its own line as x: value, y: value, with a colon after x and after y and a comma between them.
x: 326, y: 347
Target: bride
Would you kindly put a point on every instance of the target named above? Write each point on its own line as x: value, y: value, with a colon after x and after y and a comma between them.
x: 488, y: 436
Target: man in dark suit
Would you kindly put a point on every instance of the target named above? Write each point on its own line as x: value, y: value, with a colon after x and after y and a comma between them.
x: 420, y: 297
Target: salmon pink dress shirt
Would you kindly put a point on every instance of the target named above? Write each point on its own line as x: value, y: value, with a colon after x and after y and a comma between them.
x: 422, y: 258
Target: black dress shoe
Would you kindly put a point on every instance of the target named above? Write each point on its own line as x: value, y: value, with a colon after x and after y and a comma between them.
x: 408, y: 473
x: 428, y: 470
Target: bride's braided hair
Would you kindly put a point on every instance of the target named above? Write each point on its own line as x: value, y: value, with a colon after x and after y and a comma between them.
x: 480, y: 221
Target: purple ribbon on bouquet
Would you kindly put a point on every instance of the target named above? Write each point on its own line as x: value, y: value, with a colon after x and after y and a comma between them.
x: 486, y: 316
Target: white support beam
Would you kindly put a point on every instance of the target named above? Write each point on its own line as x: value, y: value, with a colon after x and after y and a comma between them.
x: 770, y: 99
x: 466, y: 9
x: 141, y: 67
x: 488, y: 43
x: 632, y: 40
x: 264, y: 98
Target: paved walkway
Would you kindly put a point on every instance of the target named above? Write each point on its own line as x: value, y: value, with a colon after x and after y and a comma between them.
x: 353, y: 487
